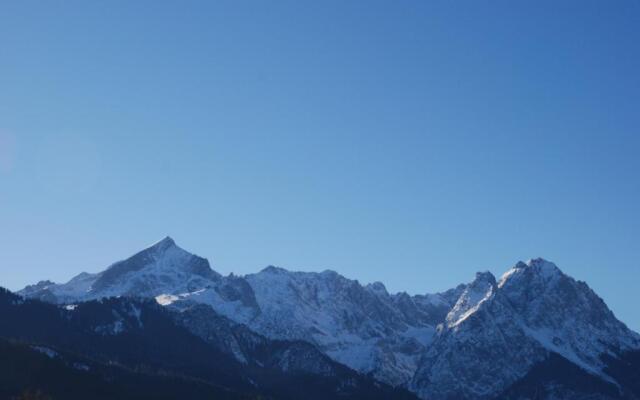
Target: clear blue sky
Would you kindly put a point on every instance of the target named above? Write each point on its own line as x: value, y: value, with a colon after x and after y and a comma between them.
x: 410, y: 142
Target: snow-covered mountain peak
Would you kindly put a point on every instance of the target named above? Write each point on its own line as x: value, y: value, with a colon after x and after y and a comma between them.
x: 496, y: 332
x: 44, y: 284
x: 41, y: 286
x: 162, y: 268
x: 331, y: 273
x: 542, y: 267
x: 477, y: 292
x: 484, y: 278
x: 162, y: 244
x: 565, y: 315
x: 378, y: 288
x: 162, y: 261
x: 271, y: 269
x: 532, y: 270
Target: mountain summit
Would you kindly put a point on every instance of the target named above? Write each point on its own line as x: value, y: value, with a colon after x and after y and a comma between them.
x: 534, y: 312
x: 161, y: 268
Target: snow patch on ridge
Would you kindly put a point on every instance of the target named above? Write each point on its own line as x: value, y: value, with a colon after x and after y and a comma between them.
x: 479, y: 291
x: 46, y: 351
x: 166, y: 299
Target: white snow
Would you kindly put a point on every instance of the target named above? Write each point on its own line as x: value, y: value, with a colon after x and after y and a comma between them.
x: 45, y: 350
x: 166, y: 272
x: 471, y: 299
x: 81, y: 366
x: 166, y: 299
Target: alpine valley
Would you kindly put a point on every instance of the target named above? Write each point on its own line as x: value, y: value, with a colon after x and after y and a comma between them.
x: 163, y: 324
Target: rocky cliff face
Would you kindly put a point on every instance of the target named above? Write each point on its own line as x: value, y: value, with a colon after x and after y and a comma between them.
x: 498, y: 331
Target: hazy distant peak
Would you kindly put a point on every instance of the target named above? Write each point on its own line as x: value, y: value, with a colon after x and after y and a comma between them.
x: 483, y: 277
x: 163, y: 244
x: 377, y: 287
x: 271, y: 269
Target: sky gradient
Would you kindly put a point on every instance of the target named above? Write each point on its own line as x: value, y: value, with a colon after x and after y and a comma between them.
x: 411, y: 142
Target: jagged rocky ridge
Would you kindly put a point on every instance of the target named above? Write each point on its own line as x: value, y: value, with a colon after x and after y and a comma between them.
x: 475, y: 341
x: 363, y: 327
x: 124, y: 341
x: 498, y: 331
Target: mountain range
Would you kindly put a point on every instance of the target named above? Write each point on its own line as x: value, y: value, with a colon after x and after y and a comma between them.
x: 534, y: 332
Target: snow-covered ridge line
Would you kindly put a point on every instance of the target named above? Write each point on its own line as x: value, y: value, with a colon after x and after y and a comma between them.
x: 398, y: 338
